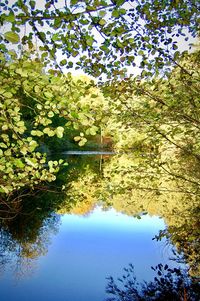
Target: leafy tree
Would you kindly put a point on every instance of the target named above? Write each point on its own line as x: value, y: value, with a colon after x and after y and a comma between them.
x: 158, y: 119
x: 169, y: 284
x: 36, y: 105
x: 101, y: 36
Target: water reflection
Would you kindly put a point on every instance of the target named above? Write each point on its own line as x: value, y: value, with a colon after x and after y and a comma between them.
x: 92, y: 239
x: 23, y: 240
x: 120, y: 185
x: 85, y: 251
x: 30, y: 220
x: 168, y: 284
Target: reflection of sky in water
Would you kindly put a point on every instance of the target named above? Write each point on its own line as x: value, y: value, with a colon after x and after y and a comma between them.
x: 85, y: 252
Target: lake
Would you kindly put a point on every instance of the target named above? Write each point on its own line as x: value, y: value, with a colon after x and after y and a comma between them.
x: 84, y: 251
x: 65, y: 246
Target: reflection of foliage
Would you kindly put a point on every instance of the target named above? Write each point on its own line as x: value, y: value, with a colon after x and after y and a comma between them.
x: 21, y: 243
x: 134, y: 189
x: 160, y: 196
x: 134, y: 193
x: 183, y: 231
x: 26, y: 236
x: 82, y: 190
x: 169, y: 284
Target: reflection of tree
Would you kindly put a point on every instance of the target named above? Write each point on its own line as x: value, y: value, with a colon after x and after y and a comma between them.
x: 82, y: 189
x: 81, y: 194
x: 133, y: 187
x: 158, y: 195
x: 126, y: 182
x: 183, y: 231
x: 26, y: 237
x: 169, y: 284
x: 25, y: 233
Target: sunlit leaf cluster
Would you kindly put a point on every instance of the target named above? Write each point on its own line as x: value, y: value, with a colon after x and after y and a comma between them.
x: 36, y: 106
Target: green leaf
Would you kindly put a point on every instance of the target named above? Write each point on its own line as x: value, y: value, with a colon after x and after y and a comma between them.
x: 93, y: 130
x: 12, y: 37
x: 49, y: 132
x: 77, y: 138
x: 122, y: 11
x: 63, y: 62
x: 32, y: 145
x: 19, y: 163
x: 3, y: 145
x: 50, y: 114
x: 120, y: 2
x: 32, y: 4
x: 22, y: 72
x: 20, y: 123
x: 89, y: 41
x: 84, y: 21
x: 55, y: 37
x: 13, y: 54
x: 8, y: 95
x: 102, y: 22
x: 59, y: 131
x: 115, y: 13
x: 10, y: 17
x: 102, y: 13
x: 36, y: 133
x: 82, y: 142
x: 74, y: 2
x: 36, y: 89
x: 42, y: 36
x: 31, y: 161
x: 39, y: 106
x: 48, y: 94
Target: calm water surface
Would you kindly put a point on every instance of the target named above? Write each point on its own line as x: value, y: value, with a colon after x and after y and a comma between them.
x: 85, y: 251
x: 68, y: 257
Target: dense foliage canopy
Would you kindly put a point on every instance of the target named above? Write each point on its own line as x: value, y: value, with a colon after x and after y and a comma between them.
x: 101, y: 36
